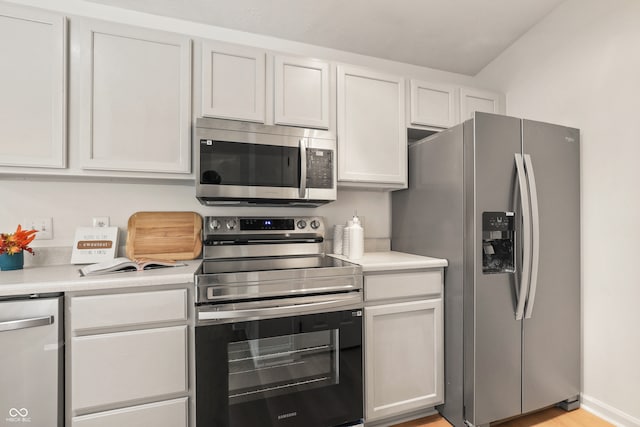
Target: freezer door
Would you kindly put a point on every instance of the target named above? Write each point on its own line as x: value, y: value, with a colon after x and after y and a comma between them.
x: 492, y: 335
x: 551, y: 335
x: 31, y: 363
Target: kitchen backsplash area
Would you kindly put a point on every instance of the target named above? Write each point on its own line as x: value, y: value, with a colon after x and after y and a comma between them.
x: 74, y: 204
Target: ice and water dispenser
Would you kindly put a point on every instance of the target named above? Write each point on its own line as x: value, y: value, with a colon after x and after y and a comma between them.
x: 498, y: 242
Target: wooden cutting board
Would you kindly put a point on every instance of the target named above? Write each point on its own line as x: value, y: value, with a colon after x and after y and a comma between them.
x: 172, y: 236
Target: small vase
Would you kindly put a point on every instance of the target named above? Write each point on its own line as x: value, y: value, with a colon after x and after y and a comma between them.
x: 12, y: 262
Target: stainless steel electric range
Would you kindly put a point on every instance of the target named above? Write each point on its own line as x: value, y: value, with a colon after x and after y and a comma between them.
x: 279, y: 326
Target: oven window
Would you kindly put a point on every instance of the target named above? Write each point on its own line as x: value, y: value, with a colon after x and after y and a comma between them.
x: 244, y: 164
x: 267, y: 367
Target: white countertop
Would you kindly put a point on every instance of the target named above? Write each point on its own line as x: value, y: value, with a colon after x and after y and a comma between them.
x: 392, y: 260
x: 66, y: 278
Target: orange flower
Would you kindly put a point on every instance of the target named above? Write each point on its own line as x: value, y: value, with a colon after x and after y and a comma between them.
x: 13, y: 243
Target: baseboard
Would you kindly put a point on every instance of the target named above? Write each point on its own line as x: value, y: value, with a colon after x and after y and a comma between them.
x: 398, y: 419
x: 608, y: 413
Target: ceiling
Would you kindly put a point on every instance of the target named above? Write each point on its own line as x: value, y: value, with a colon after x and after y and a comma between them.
x: 460, y: 36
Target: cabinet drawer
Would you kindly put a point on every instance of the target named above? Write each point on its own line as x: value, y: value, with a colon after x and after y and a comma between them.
x: 402, y: 285
x: 170, y: 413
x: 138, y: 308
x: 111, y: 369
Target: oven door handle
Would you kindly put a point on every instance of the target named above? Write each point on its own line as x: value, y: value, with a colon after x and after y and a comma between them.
x: 320, y: 303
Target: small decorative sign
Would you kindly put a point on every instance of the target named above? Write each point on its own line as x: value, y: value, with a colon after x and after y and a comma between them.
x: 94, y: 244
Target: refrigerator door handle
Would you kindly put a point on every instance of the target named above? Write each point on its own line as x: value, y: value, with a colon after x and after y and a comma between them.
x: 535, y: 231
x: 526, y: 236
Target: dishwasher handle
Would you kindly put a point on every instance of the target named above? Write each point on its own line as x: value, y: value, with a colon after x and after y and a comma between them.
x: 12, y: 325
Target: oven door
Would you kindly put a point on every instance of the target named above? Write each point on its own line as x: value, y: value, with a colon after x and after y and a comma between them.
x: 301, y: 370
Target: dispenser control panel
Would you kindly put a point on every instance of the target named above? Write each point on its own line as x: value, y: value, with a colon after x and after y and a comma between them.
x: 498, y: 242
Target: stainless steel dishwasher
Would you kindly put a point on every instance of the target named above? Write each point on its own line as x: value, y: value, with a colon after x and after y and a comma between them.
x: 31, y: 361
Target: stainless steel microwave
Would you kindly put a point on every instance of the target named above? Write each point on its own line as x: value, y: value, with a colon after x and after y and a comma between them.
x: 242, y: 163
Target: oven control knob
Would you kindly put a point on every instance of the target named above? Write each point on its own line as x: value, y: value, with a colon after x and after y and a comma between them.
x: 315, y: 224
x: 214, y: 225
x: 231, y: 224
x: 302, y: 223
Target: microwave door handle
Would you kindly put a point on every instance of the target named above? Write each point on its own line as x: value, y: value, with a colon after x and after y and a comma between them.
x: 303, y: 168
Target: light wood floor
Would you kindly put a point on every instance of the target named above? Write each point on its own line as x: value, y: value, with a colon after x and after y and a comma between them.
x: 552, y: 417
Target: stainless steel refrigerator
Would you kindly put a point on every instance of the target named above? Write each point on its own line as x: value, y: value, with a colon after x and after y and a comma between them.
x: 499, y: 197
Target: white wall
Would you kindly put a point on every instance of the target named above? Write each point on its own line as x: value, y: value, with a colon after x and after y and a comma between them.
x: 581, y: 67
x: 73, y: 204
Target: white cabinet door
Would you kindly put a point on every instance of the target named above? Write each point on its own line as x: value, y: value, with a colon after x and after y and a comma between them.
x: 472, y: 100
x: 301, y: 92
x: 169, y: 413
x: 404, y: 365
x: 372, y: 137
x: 432, y: 104
x: 233, y: 82
x: 32, y: 87
x: 135, y: 99
x: 117, y: 368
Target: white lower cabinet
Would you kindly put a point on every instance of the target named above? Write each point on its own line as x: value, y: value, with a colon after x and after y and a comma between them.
x: 170, y: 413
x: 116, y: 368
x: 404, y: 360
x: 128, y: 364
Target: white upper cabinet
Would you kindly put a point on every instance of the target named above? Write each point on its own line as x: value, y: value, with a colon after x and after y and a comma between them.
x: 432, y: 104
x: 135, y: 99
x: 32, y: 87
x: 233, y: 82
x: 472, y: 100
x: 372, y: 135
x: 301, y: 92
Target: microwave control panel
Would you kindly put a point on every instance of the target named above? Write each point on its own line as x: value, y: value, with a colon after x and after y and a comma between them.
x: 319, y: 168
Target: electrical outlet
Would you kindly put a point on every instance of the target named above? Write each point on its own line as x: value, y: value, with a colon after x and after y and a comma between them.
x: 44, y: 225
x: 100, y: 221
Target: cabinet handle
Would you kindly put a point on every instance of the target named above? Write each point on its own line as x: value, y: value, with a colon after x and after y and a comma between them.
x: 12, y: 325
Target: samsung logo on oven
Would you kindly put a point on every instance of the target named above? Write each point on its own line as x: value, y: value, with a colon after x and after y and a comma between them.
x: 288, y: 415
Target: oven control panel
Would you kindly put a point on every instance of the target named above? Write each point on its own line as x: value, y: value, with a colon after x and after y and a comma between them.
x: 262, y: 236
x: 216, y: 225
